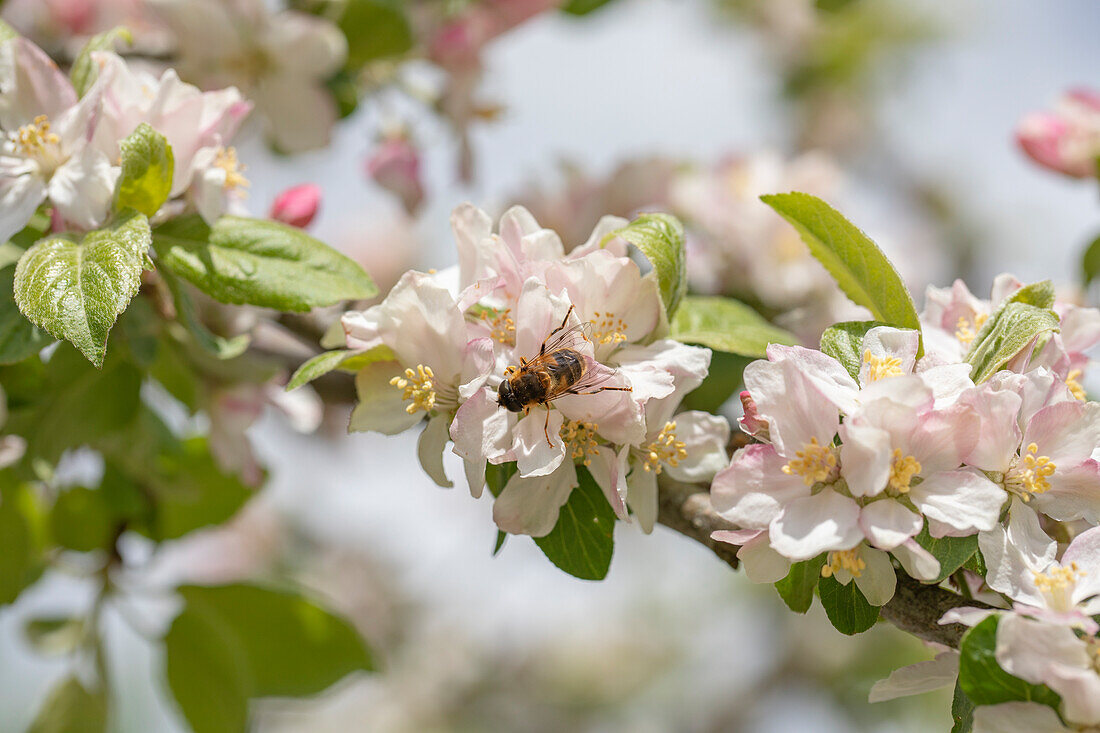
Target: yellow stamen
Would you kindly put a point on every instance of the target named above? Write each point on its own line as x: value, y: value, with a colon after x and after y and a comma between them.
x: 1030, y: 474
x: 417, y: 386
x: 965, y: 332
x: 902, y: 471
x: 813, y: 463
x: 1057, y: 584
x: 580, y: 439
x: 665, y: 448
x: 880, y: 367
x: 1075, y: 387
x: 502, y: 327
x: 606, y: 329
x: 226, y: 159
x: 32, y: 139
x: 843, y: 560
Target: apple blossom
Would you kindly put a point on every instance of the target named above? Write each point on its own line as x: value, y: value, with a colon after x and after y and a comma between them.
x: 1066, y: 140
x: 395, y: 166
x: 47, y: 150
x: 297, y: 205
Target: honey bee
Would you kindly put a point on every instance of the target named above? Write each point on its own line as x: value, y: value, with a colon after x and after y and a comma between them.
x: 558, y: 370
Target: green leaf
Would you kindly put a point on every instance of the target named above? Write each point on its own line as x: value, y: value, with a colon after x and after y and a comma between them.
x: 19, y: 338
x: 1090, y: 262
x: 1039, y: 294
x: 497, y: 475
x: 289, y: 645
x: 263, y: 263
x: 70, y: 708
x: 583, y: 7
x: 220, y: 346
x: 725, y: 324
x: 375, y: 29
x: 855, y: 262
x: 660, y: 237
x: 1005, y: 335
x: 192, y: 491
x: 76, y: 289
x: 962, y: 711
x: 7, y: 33
x: 360, y: 359
x: 984, y: 681
x: 147, y: 165
x: 844, y: 342
x: 324, y: 363
x: 81, y: 520
x: 797, y: 589
x: 952, y: 552
x: 846, y: 607
x: 54, y: 634
x: 16, y: 550
x: 85, y: 71
x: 582, y: 541
x: 976, y: 564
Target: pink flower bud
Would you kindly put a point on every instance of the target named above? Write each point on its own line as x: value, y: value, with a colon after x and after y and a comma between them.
x: 460, y: 41
x: 297, y: 205
x: 751, y: 422
x: 395, y: 166
x: 1066, y: 140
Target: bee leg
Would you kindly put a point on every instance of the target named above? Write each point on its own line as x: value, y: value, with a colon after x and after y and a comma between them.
x: 551, y: 335
x: 546, y: 428
x: 522, y: 362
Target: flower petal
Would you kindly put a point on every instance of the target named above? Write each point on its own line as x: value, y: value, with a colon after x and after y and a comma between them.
x: 1017, y: 717
x: 887, y: 523
x: 918, y: 678
x: 429, y: 449
x: 537, y: 445
x: 642, y: 496
x: 381, y: 407
x: 1027, y: 648
x: 531, y: 505
x: 878, y: 579
x: 753, y: 490
x: 813, y: 524
x: 964, y: 500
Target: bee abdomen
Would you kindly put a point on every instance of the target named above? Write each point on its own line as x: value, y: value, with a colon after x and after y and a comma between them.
x: 569, y: 367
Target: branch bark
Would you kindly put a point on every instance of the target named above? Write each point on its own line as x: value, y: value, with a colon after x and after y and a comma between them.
x: 916, y: 608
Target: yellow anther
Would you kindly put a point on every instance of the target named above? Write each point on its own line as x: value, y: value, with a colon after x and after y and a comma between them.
x: 580, y: 439
x: 417, y: 386
x: 1075, y: 387
x: 502, y: 327
x: 606, y: 329
x: 880, y: 367
x: 965, y: 332
x: 902, y: 471
x: 1035, y: 471
x: 843, y: 560
x: 226, y: 159
x: 1057, y: 584
x: 814, y: 463
x: 665, y: 448
x: 32, y: 139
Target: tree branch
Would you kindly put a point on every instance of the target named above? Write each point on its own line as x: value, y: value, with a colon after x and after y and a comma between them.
x: 916, y: 608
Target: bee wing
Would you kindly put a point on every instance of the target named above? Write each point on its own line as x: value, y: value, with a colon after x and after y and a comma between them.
x: 571, y: 337
x: 596, y: 377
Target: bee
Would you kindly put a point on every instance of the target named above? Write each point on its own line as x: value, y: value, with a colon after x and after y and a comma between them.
x: 558, y: 370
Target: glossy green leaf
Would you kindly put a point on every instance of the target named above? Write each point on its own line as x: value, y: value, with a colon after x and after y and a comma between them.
x: 375, y: 29
x: 797, y: 589
x: 146, y: 177
x: 84, y: 71
x: 725, y: 324
x: 855, y: 262
x: 962, y: 711
x: 75, y: 289
x: 19, y: 338
x: 1090, y: 262
x: 952, y: 552
x: 844, y: 342
x: 1011, y: 329
x: 660, y: 237
x: 320, y: 365
x: 846, y: 607
x: 984, y: 681
x: 582, y: 541
x: 71, y: 708
x: 81, y: 520
x: 263, y: 263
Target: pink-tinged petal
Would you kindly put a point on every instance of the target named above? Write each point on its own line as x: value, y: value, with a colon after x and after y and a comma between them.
x: 762, y: 564
x: 429, y: 449
x: 738, y: 537
x: 20, y: 196
x: 889, y: 342
x: 943, y: 438
x: 395, y: 166
x: 943, y: 307
x: 753, y: 490
x: 471, y: 228
x: 947, y: 382
x: 1085, y: 551
x: 1014, y: 554
x: 865, y: 457
x: 964, y: 500
x: 1004, y: 285
x: 1080, y: 691
x: 705, y: 437
x: 811, y: 525
x: 999, y: 434
x: 887, y: 523
x: 362, y: 329
x: 1067, y: 432
x: 648, y: 382
x: 531, y: 505
x: 297, y: 205
x: 477, y: 365
x: 538, y: 313
x: 916, y: 679
x: 642, y: 496
x: 751, y: 423
x: 1027, y: 648
x: 537, y: 445
x: 1017, y: 717
x: 1074, y: 494
x: 829, y: 377
x: 804, y: 414
x: 686, y: 364
x: 1080, y: 328
x: 33, y: 85
x: 481, y: 430
x: 878, y: 579
x: 967, y: 616
x: 1076, y: 618
x: 608, y: 469
x: 917, y: 561
x: 381, y: 407
x: 604, y: 226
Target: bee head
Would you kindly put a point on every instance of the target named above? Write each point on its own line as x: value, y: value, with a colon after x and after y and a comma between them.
x: 506, y: 397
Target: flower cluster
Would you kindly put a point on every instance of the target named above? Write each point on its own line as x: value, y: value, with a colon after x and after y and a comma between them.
x: 440, y: 345
x: 857, y: 465
x: 1067, y: 139
x: 63, y: 149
